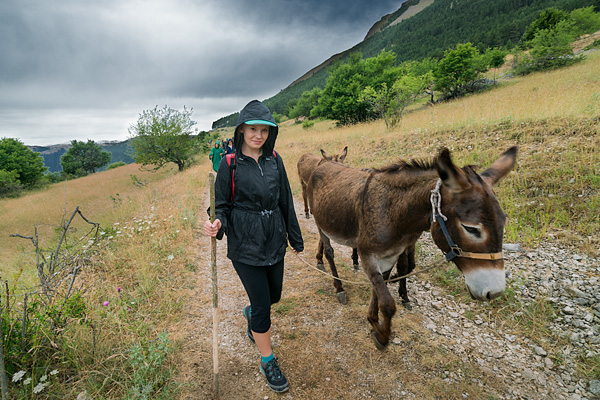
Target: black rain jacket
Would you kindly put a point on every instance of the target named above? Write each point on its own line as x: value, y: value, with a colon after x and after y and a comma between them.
x: 261, y: 218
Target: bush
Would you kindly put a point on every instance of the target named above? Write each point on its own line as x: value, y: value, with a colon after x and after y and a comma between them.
x: 9, y: 184
x: 550, y: 49
x: 594, y: 45
x: 306, y: 124
x: 54, y: 177
x: 15, y: 156
x: 116, y: 165
x: 585, y: 20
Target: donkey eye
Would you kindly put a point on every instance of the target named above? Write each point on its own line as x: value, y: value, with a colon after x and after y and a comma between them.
x: 472, y: 230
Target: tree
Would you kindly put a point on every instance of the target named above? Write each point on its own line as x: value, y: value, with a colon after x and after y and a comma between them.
x: 9, y: 182
x: 164, y: 135
x: 547, y: 19
x: 83, y: 158
x: 340, y: 99
x: 494, y: 58
x: 585, y: 20
x: 551, y: 48
x: 390, y: 103
x: 22, y: 164
x: 304, y: 105
x: 457, y: 69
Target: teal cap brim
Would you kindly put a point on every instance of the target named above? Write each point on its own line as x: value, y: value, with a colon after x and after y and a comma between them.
x: 259, y: 122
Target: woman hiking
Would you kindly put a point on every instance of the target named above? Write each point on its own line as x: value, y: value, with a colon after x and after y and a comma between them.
x: 215, y: 155
x: 254, y: 208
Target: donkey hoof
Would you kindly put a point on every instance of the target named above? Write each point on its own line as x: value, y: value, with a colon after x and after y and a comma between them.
x: 321, y: 266
x: 307, y: 215
x: 377, y: 341
x: 356, y: 267
x: 407, y: 304
x: 341, y: 296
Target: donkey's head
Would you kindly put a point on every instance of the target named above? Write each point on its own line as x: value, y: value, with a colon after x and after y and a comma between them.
x: 474, y: 222
x: 336, y: 157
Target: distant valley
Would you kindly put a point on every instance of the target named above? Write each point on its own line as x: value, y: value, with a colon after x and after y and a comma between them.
x: 51, y: 154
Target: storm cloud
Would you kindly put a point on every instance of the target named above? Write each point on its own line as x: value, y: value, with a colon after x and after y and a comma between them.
x: 86, y: 69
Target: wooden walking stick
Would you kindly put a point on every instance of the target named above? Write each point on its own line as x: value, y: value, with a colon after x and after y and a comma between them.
x: 215, y: 292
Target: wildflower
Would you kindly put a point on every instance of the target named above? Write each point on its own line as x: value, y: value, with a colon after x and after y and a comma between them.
x: 54, y: 372
x: 105, y: 303
x: 39, y: 387
x: 43, y: 378
x: 17, y: 376
x: 170, y: 257
x: 119, y: 289
x: 27, y: 381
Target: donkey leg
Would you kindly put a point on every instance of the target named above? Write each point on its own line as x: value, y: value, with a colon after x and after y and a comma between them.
x: 320, y: 264
x: 305, y: 197
x: 408, y: 266
x: 382, y: 301
x: 355, y: 259
x: 402, y: 269
x: 373, y: 313
x: 339, y: 290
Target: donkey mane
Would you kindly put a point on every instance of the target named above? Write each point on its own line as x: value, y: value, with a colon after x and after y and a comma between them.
x: 405, y: 166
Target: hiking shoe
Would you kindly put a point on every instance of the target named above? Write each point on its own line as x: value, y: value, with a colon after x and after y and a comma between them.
x: 247, y: 314
x: 275, y: 379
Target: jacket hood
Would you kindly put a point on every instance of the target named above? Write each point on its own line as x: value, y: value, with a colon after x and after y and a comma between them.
x: 253, y: 111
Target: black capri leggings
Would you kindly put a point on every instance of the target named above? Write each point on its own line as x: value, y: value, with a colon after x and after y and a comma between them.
x: 263, y: 285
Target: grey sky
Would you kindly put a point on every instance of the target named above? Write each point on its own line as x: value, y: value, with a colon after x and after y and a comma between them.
x: 76, y: 69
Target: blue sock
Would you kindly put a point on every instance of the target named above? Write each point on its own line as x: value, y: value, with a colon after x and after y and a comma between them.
x: 265, y: 360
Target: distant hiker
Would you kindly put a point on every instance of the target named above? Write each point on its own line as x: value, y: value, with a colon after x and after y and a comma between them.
x: 255, y: 209
x: 216, y: 154
x: 230, y: 148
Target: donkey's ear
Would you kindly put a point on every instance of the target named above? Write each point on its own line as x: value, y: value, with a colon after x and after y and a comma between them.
x: 325, y: 156
x: 344, y: 153
x: 501, y: 166
x: 452, y: 176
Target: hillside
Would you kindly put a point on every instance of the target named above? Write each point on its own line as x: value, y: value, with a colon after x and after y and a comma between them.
x: 149, y: 277
x: 426, y: 28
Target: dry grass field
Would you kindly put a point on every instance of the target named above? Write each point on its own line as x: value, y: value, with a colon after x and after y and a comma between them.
x: 153, y: 251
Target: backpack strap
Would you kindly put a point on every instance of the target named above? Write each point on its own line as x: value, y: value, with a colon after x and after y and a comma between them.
x: 231, y: 159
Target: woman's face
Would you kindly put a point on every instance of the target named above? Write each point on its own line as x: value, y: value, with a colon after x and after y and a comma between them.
x: 255, y: 135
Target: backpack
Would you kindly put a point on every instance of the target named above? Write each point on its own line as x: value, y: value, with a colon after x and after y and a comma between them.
x: 231, y: 159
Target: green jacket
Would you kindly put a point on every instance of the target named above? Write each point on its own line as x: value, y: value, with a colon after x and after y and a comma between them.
x: 215, y: 155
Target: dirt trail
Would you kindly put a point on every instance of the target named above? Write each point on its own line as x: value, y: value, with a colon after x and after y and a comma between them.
x: 325, y: 349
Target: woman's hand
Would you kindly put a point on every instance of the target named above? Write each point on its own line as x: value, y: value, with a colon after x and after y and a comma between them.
x: 211, y: 229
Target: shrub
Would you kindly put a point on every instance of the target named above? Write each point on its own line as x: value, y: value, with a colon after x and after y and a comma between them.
x: 116, y: 165
x: 307, y: 124
x: 9, y: 184
x: 551, y: 48
x: 594, y: 45
x: 585, y: 20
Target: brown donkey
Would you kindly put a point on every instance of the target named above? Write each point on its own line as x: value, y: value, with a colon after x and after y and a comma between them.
x: 382, y: 212
x: 307, y: 164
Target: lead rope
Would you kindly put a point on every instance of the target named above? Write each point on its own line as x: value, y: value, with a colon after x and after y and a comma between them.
x: 436, y: 264
x: 436, y: 202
